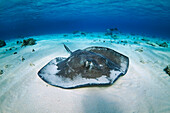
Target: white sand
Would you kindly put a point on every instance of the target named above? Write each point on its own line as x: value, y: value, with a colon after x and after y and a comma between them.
x: 144, y: 89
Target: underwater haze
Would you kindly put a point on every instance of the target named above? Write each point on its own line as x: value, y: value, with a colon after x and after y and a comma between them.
x: 36, y: 17
x: 84, y: 56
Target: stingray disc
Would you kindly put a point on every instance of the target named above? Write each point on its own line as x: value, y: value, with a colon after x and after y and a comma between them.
x: 91, y: 66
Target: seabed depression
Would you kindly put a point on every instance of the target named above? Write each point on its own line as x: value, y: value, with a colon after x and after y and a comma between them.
x: 22, y: 90
x: 51, y: 59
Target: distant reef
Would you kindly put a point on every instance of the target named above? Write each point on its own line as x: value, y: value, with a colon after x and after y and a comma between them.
x: 167, y: 70
x: 2, y: 43
x: 29, y: 41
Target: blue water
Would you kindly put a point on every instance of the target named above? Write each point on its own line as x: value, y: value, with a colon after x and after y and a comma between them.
x: 19, y: 18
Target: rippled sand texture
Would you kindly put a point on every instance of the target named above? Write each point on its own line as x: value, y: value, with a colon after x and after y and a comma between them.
x: 144, y: 89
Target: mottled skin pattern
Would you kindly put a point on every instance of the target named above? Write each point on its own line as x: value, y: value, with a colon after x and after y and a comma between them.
x: 108, y: 53
x: 86, y: 64
x: 90, y: 66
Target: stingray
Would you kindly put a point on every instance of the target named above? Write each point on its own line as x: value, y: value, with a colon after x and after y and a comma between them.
x: 88, y: 67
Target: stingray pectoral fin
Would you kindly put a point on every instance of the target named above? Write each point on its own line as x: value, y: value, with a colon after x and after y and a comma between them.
x: 121, y: 61
x: 68, y: 50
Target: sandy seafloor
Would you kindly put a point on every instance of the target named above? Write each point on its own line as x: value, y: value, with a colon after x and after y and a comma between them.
x: 144, y: 89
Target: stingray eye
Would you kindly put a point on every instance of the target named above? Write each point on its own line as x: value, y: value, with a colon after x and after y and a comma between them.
x: 100, y: 65
x: 86, y: 64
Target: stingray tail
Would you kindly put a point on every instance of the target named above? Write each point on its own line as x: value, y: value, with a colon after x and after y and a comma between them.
x: 68, y: 50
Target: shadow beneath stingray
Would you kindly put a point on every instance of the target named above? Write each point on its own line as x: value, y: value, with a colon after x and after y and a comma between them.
x: 97, y: 102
